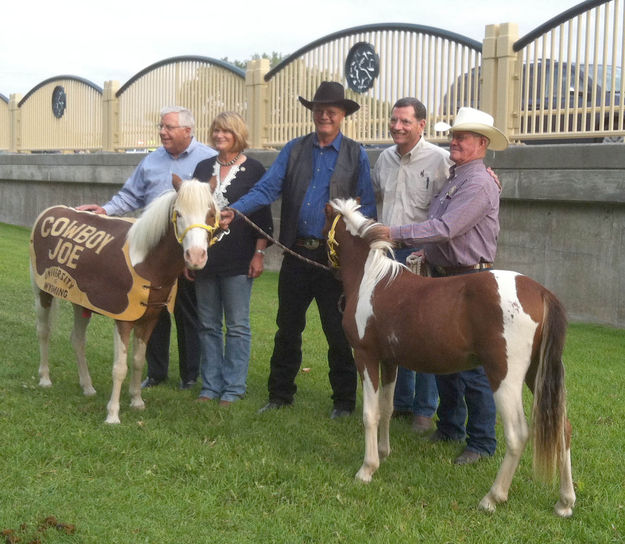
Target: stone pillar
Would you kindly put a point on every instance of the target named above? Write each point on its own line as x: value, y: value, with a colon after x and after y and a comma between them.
x: 488, y: 74
x: 506, y: 119
x: 257, y: 101
x: 110, y: 116
x: 500, y: 76
x: 15, y: 120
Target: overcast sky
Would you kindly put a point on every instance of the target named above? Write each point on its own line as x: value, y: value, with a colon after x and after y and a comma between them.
x: 115, y: 39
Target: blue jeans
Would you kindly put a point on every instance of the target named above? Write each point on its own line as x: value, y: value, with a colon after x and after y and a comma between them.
x: 467, y: 407
x: 414, y: 391
x: 224, y: 368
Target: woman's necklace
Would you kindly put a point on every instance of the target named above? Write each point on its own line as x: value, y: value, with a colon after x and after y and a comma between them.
x: 229, y: 163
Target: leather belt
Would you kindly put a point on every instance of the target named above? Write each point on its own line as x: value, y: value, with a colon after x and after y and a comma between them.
x: 455, y: 270
x: 309, y: 243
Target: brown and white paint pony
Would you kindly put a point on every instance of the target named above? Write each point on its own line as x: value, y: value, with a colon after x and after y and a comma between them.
x: 120, y: 268
x: 503, y: 320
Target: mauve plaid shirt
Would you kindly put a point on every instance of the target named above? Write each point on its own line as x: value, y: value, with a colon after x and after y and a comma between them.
x: 463, y: 221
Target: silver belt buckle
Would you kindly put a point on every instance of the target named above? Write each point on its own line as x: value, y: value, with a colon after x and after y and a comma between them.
x: 311, y: 243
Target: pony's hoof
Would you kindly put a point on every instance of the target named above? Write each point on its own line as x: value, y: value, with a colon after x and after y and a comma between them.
x: 45, y: 382
x: 137, y: 404
x: 487, y: 505
x: 89, y: 391
x: 113, y: 420
x: 364, y: 475
x: 563, y: 511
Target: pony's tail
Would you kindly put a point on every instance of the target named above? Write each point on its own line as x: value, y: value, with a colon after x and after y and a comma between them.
x: 550, y: 434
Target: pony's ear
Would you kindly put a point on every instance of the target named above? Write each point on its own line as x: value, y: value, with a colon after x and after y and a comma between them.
x: 176, y: 181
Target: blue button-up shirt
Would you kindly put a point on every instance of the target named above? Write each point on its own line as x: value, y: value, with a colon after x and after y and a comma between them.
x: 311, y: 216
x: 153, y: 176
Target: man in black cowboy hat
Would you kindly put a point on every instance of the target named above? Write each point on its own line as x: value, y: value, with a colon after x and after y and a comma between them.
x: 308, y: 172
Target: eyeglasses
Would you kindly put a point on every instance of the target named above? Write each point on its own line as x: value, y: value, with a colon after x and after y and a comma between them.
x: 168, y: 128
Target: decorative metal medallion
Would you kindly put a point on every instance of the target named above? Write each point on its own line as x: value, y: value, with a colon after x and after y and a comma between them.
x: 362, y: 66
x: 59, y: 101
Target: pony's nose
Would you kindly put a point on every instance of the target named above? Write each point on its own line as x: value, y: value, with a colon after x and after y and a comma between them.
x: 195, y: 258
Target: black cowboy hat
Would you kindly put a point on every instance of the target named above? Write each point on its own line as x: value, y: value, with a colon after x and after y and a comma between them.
x: 331, y: 93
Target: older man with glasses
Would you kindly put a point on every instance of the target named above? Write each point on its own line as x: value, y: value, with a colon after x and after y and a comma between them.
x: 179, y: 154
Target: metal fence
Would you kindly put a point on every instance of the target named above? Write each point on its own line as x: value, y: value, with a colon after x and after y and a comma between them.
x: 63, y: 113
x: 380, y: 64
x: 560, y: 82
x: 206, y: 86
x: 569, y: 79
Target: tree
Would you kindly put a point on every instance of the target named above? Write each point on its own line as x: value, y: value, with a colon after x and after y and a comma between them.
x: 274, y: 59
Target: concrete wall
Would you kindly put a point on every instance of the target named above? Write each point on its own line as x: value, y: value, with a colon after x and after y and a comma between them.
x: 563, y: 223
x: 562, y: 212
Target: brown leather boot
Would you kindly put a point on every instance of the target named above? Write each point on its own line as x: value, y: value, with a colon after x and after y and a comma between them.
x: 422, y: 424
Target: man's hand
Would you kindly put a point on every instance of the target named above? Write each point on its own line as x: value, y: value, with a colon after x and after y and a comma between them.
x: 386, y: 232
x: 226, y: 216
x: 91, y: 208
x: 494, y: 176
x: 419, y: 254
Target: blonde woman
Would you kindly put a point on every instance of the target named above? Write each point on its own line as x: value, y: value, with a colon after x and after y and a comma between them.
x: 224, y: 286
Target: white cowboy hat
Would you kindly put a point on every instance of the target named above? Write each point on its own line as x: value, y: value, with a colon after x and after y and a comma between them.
x: 472, y: 120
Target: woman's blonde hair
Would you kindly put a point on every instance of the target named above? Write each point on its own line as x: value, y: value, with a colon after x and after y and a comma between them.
x: 232, y: 122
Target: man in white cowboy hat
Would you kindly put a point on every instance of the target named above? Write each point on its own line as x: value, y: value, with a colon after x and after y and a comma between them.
x: 308, y: 172
x: 460, y: 237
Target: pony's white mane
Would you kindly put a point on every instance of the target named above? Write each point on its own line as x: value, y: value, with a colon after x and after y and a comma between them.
x: 193, y: 197
x: 152, y: 225
x: 379, y: 264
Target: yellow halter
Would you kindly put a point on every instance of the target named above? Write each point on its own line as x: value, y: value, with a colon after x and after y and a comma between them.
x: 211, y: 230
x: 333, y: 258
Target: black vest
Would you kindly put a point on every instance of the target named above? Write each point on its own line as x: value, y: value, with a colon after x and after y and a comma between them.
x: 299, y: 173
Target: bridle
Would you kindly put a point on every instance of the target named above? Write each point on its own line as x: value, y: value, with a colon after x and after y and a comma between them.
x: 212, y: 239
x: 333, y: 257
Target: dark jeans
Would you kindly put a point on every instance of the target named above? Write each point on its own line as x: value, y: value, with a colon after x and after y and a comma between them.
x: 467, y: 408
x: 157, y: 353
x: 299, y: 284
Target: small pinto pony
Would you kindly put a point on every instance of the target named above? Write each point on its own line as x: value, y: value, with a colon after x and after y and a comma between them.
x: 124, y: 269
x: 502, y: 320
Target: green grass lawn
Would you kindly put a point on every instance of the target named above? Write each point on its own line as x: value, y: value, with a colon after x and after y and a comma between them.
x: 184, y: 472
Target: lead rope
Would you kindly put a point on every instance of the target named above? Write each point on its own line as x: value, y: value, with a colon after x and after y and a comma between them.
x: 416, y: 264
x: 282, y: 246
